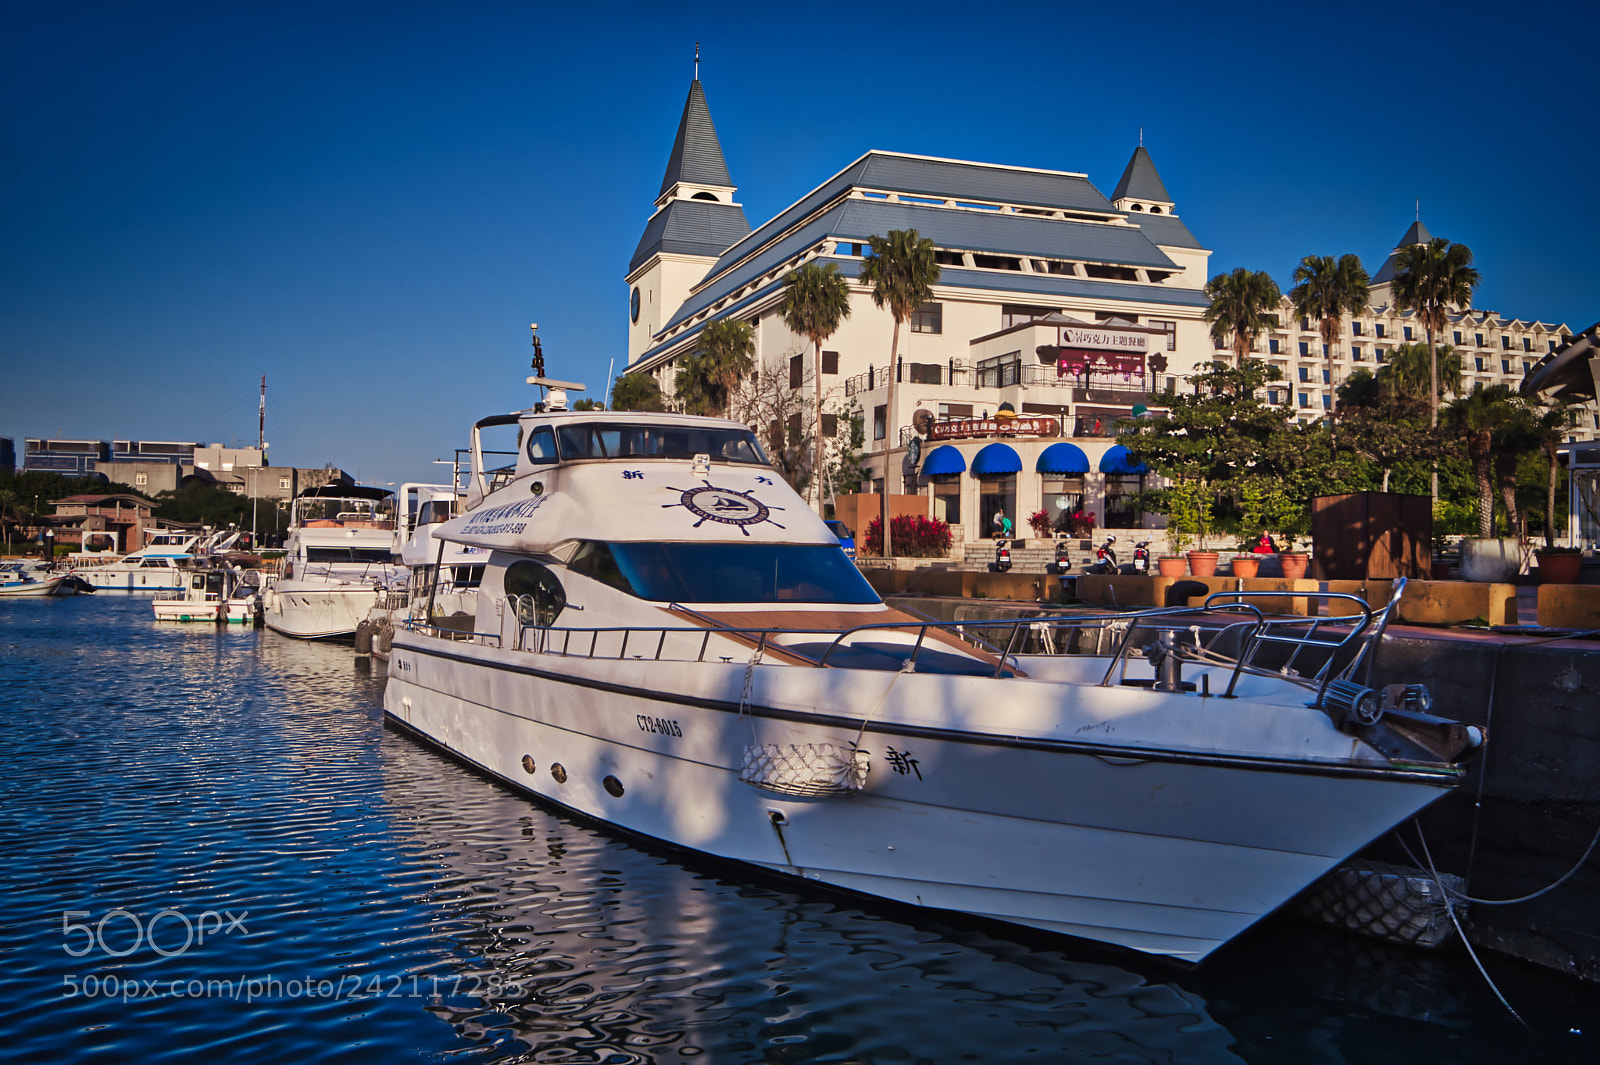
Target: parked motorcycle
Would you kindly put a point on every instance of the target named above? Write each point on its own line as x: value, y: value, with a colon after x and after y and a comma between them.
x: 1141, y: 559
x: 1105, y: 558
x: 1063, y: 557
x: 1002, y: 556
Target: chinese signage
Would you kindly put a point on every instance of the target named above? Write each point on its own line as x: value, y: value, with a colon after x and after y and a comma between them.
x: 1099, y: 339
x: 979, y: 427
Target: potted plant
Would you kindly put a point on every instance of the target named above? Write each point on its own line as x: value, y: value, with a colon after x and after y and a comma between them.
x: 1173, y: 564
x: 1294, y: 563
x: 1039, y: 522
x: 1246, y: 564
x: 1189, y: 516
x: 1559, y: 565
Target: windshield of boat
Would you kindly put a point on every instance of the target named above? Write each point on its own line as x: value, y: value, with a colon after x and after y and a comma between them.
x: 600, y: 440
x: 348, y: 554
x: 726, y: 573
x: 347, y: 513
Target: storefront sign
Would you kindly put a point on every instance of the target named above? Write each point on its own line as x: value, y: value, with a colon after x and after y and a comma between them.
x: 1099, y: 339
x: 1075, y: 362
x: 968, y: 428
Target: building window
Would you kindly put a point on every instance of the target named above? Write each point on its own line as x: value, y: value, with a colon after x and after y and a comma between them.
x: 794, y: 429
x: 1305, y: 350
x: 1355, y: 352
x: 1305, y: 325
x: 830, y: 362
x: 1355, y: 329
x: 1325, y: 352
x: 1377, y: 353
x: 1305, y: 399
x: 996, y: 495
x: 1327, y: 402
x: 1479, y: 337
x: 797, y: 371
x: 284, y: 483
x: 948, y: 411
x: 1172, y: 332
x: 1000, y: 371
x: 1552, y: 344
x: 1479, y: 362
x: 1505, y: 366
x: 927, y: 373
x: 947, y: 497
x: 830, y: 425
x: 1122, y: 500
x: 879, y: 418
x: 1012, y: 314
x: 1305, y: 373
x: 1527, y: 343
x: 1272, y: 346
x: 1505, y: 343
x: 928, y: 318
x: 1527, y: 367
x: 1377, y: 330
x: 1408, y: 333
x: 1458, y: 338
x: 141, y: 479
x: 1327, y: 376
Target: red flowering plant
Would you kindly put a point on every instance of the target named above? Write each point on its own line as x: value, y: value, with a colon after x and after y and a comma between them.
x: 914, y: 537
x: 1039, y: 522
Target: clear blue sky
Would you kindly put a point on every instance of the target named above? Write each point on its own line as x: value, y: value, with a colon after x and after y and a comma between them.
x: 369, y: 202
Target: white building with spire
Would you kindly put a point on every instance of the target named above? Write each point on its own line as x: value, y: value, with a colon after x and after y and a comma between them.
x: 1055, y: 303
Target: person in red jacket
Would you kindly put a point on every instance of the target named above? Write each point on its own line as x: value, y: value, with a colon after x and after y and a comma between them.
x: 1265, y: 546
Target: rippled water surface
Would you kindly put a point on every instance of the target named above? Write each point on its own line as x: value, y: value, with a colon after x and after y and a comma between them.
x: 211, y: 848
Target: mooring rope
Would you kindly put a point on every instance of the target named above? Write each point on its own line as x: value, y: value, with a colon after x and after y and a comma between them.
x: 1464, y: 897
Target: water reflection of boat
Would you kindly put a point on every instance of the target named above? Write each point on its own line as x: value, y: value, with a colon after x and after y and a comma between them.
x: 668, y: 640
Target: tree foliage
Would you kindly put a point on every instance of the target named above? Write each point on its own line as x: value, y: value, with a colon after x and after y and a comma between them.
x: 1326, y: 289
x: 637, y: 391
x: 1430, y: 279
x: 816, y: 301
x: 1244, y: 305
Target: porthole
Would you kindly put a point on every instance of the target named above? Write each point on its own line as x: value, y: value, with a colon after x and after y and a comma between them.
x: 558, y: 771
x: 536, y: 591
x: 528, y: 765
x: 613, y: 786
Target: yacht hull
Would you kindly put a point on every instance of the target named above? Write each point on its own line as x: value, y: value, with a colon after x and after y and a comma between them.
x: 312, y: 610
x: 1165, y: 850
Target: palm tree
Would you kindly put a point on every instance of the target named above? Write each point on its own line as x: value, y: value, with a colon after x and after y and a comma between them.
x: 1243, y: 305
x: 1411, y: 366
x: 901, y: 271
x: 698, y: 386
x: 1429, y: 279
x: 1551, y: 423
x: 816, y: 301
x: 1327, y: 289
x: 730, y: 347
x: 1478, y: 418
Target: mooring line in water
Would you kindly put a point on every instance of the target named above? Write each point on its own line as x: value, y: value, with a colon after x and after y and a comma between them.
x: 1568, y: 875
x: 1450, y: 908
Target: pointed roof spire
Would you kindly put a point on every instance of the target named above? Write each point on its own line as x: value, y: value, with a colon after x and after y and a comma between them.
x: 1140, y: 180
x: 1417, y: 234
x: 696, y: 154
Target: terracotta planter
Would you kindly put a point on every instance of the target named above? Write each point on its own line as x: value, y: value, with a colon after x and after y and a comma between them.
x: 1491, y: 561
x: 1294, y: 563
x: 1246, y: 567
x: 1559, y: 567
x: 1170, y: 566
x: 1203, y: 563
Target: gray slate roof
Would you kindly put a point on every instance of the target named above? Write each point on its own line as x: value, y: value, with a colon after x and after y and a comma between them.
x: 1140, y: 180
x: 1417, y: 234
x: 691, y: 227
x: 696, y: 154
x: 979, y: 231
x: 1166, y: 230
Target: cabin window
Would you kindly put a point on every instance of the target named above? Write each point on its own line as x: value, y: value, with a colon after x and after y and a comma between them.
x: 536, y: 592
x: 727, y: 573
x: 600, y: 440
x: 541, y: 446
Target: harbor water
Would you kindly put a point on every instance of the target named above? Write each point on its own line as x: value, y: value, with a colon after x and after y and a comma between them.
x: 214, y: 849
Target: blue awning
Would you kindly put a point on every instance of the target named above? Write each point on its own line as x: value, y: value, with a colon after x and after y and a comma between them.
x: 1120, y: 460
x: 1063, y: 458
x: 996, y: 458
x: 942, y: 460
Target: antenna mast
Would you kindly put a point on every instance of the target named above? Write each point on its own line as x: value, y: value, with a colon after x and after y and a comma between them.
x: 261, y: 430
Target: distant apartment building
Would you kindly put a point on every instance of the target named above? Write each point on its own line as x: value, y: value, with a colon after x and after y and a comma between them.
x: 1494, y: 348
x: 8, y: 455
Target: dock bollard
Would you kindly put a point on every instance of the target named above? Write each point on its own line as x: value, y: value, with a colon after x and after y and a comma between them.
x: 364, y: 638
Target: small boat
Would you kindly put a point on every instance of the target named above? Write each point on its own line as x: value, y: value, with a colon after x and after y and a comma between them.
x: 162, y: 565
x: 24, y: 579
x: 339, y: 562
x: 666, y: 639
x: 218, y: 594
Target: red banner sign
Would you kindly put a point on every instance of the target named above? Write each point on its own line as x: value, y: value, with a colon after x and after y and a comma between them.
x: 967, y: 428
x: 1077, y: 362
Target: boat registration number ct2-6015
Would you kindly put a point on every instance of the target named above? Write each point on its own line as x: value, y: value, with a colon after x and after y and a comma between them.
x: 658, y: 725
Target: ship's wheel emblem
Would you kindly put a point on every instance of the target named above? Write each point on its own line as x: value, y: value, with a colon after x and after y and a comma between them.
x: 709, y: 503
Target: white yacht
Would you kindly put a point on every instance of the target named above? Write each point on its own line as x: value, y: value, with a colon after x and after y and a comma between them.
x: 339, y: 559
x: 161, y: 565
x: 667, y: 639
x: 24, y: 578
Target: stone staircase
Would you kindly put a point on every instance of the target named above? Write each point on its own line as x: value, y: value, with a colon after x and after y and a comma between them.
x: 1032, y: 556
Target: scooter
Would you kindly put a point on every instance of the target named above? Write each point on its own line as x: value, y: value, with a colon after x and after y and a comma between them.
x: 1141, y: 558
x: 1002, y: 556
x: 1063, y: 557
x: 1105, y: 558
